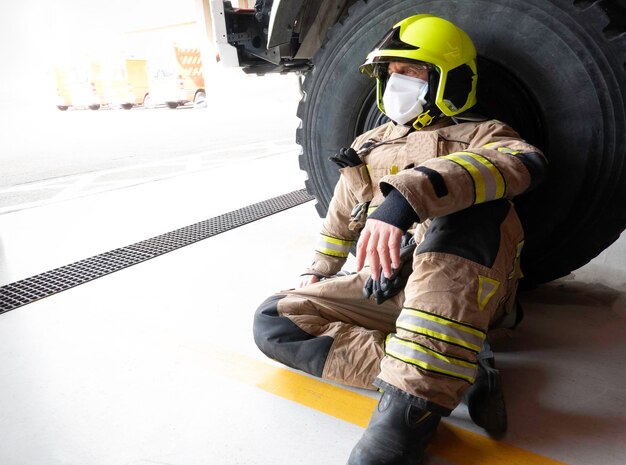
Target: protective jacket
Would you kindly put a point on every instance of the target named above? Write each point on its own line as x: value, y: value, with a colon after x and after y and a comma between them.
x: 439, y: 170
x: 456, y: 181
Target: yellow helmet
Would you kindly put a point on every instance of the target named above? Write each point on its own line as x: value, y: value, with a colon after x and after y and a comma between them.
x: 428, y: 39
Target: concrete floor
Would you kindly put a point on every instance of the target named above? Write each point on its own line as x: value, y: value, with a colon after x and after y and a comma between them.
x: 155, y: 364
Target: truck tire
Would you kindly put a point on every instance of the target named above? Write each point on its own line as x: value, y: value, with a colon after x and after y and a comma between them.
x: 552, y: 69
x: 199, y: 100
x: 148, y: 102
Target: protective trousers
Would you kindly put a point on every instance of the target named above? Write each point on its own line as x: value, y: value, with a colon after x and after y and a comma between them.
x: 424, y: 341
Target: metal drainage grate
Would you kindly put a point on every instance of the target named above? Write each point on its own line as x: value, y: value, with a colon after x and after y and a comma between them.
x: 37, y: 287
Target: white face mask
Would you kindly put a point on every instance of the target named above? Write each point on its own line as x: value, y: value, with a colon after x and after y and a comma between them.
x: 404, y: 97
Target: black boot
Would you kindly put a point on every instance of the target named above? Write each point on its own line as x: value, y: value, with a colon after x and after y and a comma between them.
x: 397, y: 434
x: 485, y: 398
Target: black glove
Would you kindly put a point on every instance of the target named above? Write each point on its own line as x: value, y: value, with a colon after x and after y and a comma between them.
x: 385, y: 288
x: 346, y: 157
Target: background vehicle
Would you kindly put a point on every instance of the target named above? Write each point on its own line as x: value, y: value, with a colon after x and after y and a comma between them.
x: 126, y: 83
x: 107, y: 83
x: 553, y: 69
x: 64, y: 97
x: 80, y: 86
x: 176, y: 78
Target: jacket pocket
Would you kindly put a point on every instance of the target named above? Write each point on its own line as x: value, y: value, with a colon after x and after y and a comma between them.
x: 360, y: 183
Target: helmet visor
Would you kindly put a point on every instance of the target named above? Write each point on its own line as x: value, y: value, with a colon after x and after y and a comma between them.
x: 384, y: 53
x: 378, y: 66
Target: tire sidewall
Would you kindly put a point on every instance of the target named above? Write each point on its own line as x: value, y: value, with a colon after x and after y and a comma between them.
x: 556, y: 53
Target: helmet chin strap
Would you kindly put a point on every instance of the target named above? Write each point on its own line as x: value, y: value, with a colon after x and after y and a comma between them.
x: 423, y: 120
x: 426, y: 117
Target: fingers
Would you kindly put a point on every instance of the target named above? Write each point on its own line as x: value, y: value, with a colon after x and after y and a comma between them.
x: 361, y: 248
x: 373, y: 257
x: 380, y: 245
x: 307, y: 280
x: 395, y: 241
x: 382, y: 256
x: 367, y: 249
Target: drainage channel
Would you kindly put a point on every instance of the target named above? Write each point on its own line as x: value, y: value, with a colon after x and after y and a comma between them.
x: 43, y: 285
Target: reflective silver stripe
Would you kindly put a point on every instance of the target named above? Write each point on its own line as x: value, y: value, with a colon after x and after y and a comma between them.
x: 488, y: 181
x: 439, y: 328
x: 333, y: 246
x: 430, y: 360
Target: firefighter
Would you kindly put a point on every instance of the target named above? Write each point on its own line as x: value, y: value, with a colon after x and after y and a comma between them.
x: 428, y: 196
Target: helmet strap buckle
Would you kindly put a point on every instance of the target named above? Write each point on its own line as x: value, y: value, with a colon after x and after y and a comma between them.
x: 423, y: 120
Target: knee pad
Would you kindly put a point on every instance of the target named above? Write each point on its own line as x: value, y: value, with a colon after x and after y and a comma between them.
x: 263, y: 327
x: 281, y: 339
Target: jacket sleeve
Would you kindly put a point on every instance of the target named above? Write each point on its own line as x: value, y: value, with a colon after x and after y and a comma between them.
x: 496, y: 164
x: 336, y: 239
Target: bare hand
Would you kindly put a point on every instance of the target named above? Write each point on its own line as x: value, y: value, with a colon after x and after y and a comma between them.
x: 380, y: 244
x: 307, y: 279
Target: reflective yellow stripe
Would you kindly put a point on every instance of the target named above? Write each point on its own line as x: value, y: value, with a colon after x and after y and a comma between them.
x: 508, y: 150
x: 430, y: 360
x: 371, y: 209
x: 333, y: 253
x: 489, y: 183
x: 444, y: 321
x: 440, y: 336
x: 333, y: 246
x: 495, y: 172
x: 334, y: 240
x: 479, y: 185
x: 503, y: 149
x: 432, y: 353
x: 429, y: 325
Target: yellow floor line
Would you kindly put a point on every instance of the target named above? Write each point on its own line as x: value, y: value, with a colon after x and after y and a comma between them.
x: 457, y: 445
